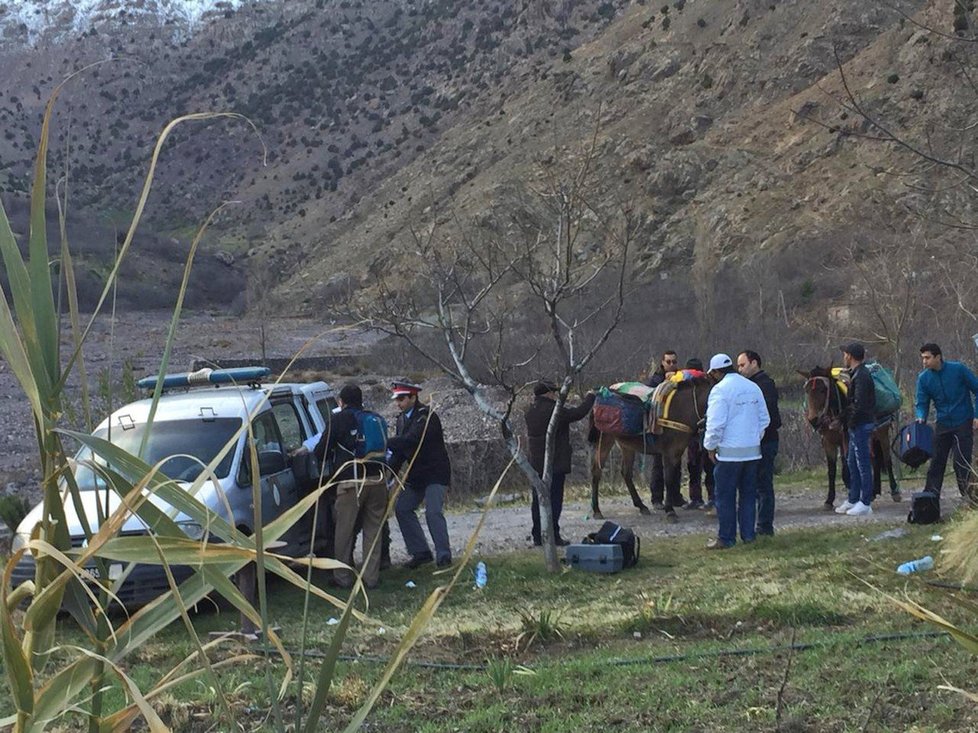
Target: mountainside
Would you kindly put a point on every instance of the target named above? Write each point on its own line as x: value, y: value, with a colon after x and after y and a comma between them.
x: 724, y: 124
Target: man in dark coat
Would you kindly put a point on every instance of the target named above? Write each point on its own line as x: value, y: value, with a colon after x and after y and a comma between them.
x: 749, y: 365
x: 537, y: 420
x: 668, y: 365
x: 420, y: 443
x: 861, y: 419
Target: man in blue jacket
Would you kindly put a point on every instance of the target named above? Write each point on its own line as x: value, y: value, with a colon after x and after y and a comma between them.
x: 950, y: 385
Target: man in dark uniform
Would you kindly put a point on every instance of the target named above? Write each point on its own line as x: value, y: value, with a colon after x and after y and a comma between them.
x: 537, y: 421
x: 420, y: 443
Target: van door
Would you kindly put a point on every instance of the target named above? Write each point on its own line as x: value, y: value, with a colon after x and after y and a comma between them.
x: 278, y: 489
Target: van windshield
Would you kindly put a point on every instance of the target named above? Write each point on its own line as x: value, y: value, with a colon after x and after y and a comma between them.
x: 178, y: 438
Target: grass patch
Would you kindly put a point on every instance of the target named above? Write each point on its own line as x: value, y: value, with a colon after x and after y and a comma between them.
x: 687, y: 641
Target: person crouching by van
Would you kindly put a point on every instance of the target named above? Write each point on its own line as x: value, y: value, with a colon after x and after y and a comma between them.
x: 420, y: 443
x: 361, y: 489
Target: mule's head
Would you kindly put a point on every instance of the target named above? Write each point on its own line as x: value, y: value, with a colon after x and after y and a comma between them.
x: 821, y: 394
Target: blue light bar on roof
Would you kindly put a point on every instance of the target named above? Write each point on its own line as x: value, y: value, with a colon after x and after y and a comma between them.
x: 238, y: 375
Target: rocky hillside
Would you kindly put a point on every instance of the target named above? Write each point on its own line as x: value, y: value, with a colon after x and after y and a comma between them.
x: 726, y: 125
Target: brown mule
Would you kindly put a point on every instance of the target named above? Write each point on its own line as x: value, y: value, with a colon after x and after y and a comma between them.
x: 686, y: 411
x: 824, y: 405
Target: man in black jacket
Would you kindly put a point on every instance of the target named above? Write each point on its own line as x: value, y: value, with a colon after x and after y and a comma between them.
x: 420, y: 443
x: 749, y: 365
x: 668, y: 365
x: 861, y: 419
x: 538, y: 416
x: 361, y: 491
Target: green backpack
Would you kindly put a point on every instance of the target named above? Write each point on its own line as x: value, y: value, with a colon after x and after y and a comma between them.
x: 888, y: 397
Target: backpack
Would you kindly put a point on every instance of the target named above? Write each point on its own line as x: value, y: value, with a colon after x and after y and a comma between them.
x: 371, y: 442
x: 925, y: 508
x: 888, y: 397
x: 612, y: 533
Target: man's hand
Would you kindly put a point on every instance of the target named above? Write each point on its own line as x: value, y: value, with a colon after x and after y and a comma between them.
x: 712, y: 454
x: 974, y: 424
x: 921, y: 421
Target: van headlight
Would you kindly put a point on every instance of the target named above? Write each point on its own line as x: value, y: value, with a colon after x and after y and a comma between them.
x: 193, y: 530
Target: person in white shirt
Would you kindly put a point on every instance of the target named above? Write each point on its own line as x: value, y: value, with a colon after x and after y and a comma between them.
x: 736, y: 417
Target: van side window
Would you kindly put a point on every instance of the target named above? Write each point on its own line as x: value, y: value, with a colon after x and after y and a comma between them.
x: 267, y: 436
x: 289, y: 425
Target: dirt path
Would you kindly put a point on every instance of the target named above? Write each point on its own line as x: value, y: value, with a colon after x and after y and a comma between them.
x: 507, y: 528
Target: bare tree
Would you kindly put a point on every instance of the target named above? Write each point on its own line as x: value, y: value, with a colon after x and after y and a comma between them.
x: 554, y: 259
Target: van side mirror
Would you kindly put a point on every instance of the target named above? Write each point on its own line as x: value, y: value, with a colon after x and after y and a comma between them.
x: 271, y: 461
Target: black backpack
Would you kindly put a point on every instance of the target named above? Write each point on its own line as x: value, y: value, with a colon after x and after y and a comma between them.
x: 612, y: 533
x: 925, y: 508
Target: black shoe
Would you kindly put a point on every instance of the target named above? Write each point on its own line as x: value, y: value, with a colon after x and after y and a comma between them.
x: 561, y: 542
x: 693, y: 504
x: 444, y: 562
x: 537, y: 542
x: 418, y: 560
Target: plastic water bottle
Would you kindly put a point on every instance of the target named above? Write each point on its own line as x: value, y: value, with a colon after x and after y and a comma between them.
x: 916, y: 566
x: 481, y: 576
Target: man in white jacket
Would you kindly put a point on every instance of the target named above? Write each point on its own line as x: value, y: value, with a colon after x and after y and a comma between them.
x: 736, y: 417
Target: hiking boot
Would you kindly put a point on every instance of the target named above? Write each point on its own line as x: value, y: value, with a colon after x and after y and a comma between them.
x: 859, y: 510
x: 417, y: 561
x: 845, y: 506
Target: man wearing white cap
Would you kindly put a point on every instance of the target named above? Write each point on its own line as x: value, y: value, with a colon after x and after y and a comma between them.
x: 736, y: 417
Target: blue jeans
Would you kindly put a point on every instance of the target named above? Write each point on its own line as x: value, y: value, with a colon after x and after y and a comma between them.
x: 860, y: 464
x: 736, y: 500
x: 765, y: 488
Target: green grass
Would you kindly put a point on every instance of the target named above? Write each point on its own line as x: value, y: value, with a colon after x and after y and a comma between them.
x: 688, y: 641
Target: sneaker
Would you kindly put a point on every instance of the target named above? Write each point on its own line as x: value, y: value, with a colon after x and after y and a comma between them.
x: 693, y: 504
x: 860, y: 510
x: 844, y: 507
x: 716, y: 544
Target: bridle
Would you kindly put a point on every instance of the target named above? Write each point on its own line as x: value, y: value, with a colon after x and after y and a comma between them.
x: 826, y: 414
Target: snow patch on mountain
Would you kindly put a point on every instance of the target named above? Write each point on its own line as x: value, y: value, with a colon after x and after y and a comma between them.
x: 31, y: 20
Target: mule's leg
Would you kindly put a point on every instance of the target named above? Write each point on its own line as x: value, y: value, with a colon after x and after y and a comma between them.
x: 672, y: 472
x: 599, y: 454
x: 876, y: 461
x: 884, y: 441
x: 628, y: 475
x: 832, y: 466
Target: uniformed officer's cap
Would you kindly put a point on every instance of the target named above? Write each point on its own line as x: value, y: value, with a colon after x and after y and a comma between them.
x: 403, y: 388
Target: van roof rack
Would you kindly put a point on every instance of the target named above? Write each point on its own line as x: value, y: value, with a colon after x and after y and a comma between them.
x: 251, y: 376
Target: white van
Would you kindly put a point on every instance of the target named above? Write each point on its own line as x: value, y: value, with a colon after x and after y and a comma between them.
x: 210, y: 407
